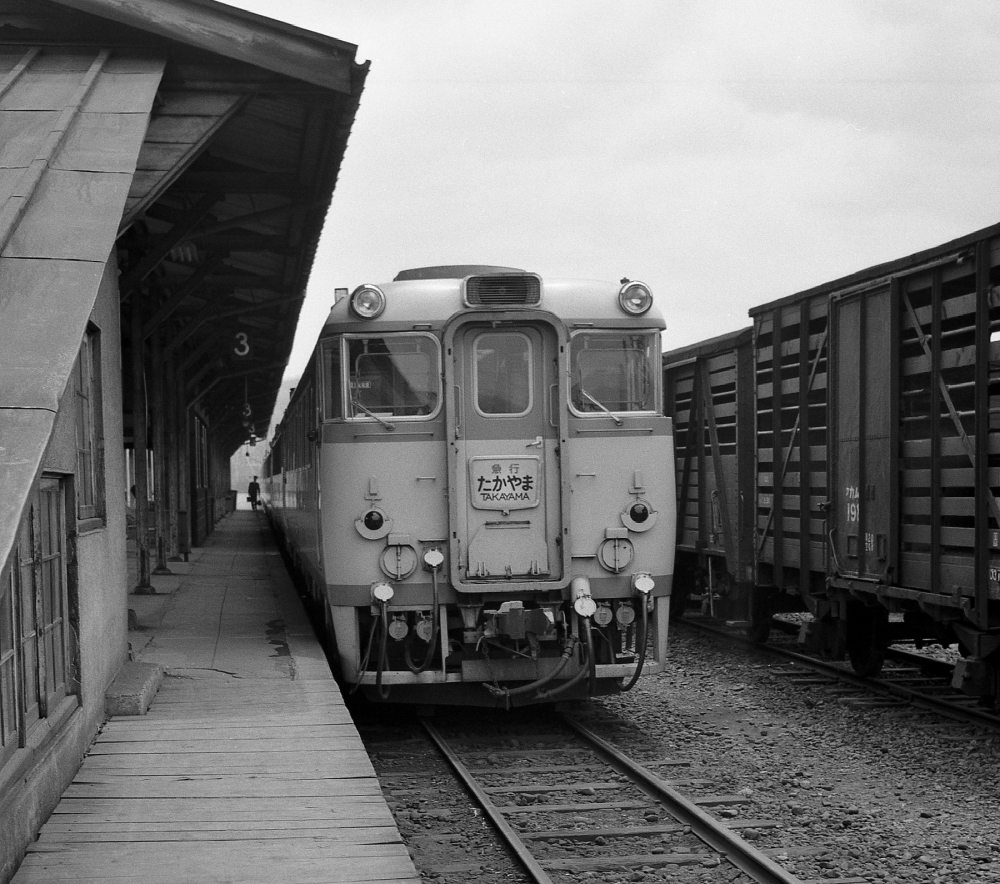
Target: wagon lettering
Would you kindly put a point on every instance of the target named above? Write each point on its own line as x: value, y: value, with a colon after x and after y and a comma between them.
x: 853, y: 495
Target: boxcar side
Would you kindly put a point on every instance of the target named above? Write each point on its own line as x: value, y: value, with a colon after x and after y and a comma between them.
x: 709, y: 391
x: 878, y: 456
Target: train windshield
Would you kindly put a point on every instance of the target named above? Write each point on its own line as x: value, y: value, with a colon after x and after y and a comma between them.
x: 614, y: 371
x: 393, y: 375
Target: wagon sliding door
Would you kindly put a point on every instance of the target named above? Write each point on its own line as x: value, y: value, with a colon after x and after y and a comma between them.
x: 862, y: 460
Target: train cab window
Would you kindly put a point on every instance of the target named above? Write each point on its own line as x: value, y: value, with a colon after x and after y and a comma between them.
x: 613, y: 371
x: 503, y: 373
x: 393, y: 375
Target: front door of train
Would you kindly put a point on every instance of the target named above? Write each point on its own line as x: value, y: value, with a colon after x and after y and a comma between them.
x: 503, y: 453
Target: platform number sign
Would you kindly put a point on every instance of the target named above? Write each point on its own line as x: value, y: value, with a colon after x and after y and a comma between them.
x: 242, y: 344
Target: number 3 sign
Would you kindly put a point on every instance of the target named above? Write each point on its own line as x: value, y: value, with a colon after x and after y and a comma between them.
x: 241, y: 346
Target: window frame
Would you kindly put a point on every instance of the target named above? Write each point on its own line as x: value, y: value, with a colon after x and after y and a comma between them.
x: 502, y: 415
x: 88, y: 415
x: 345, y: 377
x: 656, y: 376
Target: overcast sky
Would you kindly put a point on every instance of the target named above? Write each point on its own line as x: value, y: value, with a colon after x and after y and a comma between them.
x: 726, y: 153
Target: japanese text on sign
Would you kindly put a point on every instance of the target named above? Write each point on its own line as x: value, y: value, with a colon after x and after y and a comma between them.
x: 504, y: 482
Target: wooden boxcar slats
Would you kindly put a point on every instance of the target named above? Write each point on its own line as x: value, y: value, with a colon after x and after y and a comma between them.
x: 817, y: 454
x: 721, y: 372
x: 950, y: 478
x: 950, y: 506
x: 765, y: 391
x: 792, y: 503
x: 921, y: 534
x: 951, y: 446
x: 790, y: 349
x: 959, y: 306
x: 795, y: 479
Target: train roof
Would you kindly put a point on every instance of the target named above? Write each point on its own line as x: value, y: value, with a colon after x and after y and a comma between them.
x: 435, y: 294
x: 720, y: 344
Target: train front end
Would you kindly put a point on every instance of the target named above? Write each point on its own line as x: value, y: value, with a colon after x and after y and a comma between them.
x: 497, y: 493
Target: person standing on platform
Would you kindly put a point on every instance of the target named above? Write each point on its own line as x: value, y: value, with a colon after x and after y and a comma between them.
x: 253, y: 494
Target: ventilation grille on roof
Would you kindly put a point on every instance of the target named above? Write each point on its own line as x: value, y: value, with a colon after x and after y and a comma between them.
x: 494, y: 291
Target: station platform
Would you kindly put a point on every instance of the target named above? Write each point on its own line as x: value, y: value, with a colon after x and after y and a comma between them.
x: 247, y: 767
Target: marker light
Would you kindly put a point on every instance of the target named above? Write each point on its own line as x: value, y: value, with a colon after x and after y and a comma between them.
x: 367, y: 302
x: 635, y: 298
x: 639, y: 512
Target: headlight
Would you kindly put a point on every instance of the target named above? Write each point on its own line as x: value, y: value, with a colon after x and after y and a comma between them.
x: 635, y: 298
x: 367, y: 302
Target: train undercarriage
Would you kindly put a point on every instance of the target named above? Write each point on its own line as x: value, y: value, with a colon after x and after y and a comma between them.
x: 853, y: 620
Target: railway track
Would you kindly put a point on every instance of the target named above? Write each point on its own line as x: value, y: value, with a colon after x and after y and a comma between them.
x: 921, y: 682
x: 568, y: 803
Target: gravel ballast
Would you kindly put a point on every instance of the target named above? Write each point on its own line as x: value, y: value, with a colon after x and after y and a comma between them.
x: 843, y: 790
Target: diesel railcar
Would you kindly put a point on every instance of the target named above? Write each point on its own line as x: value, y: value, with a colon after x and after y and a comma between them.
x: 876, y: 458
x: 474, y: 478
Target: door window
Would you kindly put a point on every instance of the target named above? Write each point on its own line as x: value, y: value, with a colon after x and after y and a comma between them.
x: 503, y: 374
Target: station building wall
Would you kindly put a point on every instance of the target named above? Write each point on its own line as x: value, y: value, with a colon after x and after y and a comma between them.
x: 39, y: 759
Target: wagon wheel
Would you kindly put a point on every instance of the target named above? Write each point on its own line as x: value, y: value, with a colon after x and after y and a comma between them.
x: 761, y: 612
x: 867, y: 638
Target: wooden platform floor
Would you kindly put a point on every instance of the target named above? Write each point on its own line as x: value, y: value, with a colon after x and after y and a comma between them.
x: 247, y: 767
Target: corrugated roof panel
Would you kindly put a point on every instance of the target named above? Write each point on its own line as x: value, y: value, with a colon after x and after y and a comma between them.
x: 45, y: 314
x: 71, y: 216
x: 61, y: 206
x: 21, y: 133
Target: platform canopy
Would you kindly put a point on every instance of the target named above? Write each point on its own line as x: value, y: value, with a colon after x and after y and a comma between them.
x: 199, y: 146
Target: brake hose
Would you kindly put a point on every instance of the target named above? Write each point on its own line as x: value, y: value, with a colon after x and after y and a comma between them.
x: 435, y: 617
x: 507, y: 693
x: 383, y: 656
x: 363, y: 665
x: 591, y: 657
x: 587, y: 669
x: 640, y: 651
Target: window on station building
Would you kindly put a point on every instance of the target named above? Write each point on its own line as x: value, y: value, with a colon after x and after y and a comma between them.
x: 615, y: 371
x: 36, y: 661
x: 395, y: 375
x: 503, y: 373
x: 86, y: 386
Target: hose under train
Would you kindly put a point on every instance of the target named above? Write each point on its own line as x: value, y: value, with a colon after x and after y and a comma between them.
x: 506, y: 693
x: 640, y: 651
x: 432, y: 641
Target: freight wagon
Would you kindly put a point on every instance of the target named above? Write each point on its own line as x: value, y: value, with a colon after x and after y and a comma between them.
x: 876, y: 451
x: 709, y: 392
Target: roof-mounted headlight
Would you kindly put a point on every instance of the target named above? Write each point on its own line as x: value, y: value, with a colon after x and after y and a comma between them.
x: 367, y: 302
x: 635, y: 297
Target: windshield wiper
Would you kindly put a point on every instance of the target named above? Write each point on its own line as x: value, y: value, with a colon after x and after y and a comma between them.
x: 618, y: 421
x: 381, y: 420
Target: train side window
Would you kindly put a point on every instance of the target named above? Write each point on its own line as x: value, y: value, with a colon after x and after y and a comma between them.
x: 503, y: 375
x: 394, y: 376
x: 615, y: 371
x: 332, y: 386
